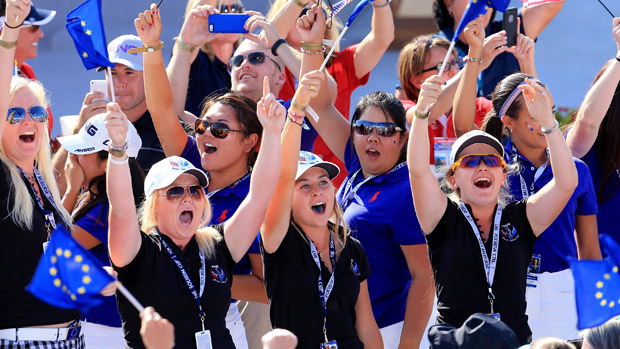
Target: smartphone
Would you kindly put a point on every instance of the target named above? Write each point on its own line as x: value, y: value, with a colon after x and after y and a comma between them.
x: 228, y: 23
x: 510, y: 26
x: 100, y: 86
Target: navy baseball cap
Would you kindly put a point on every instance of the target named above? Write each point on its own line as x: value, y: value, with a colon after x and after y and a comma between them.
x: 39, y: 16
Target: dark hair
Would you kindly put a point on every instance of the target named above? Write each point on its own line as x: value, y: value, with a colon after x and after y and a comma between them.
x: 392, y: 109
x: 442, y: 16
x: 99, y: 182
x: 492, y: 123
x: 606, y: 335
x: 245, y: 112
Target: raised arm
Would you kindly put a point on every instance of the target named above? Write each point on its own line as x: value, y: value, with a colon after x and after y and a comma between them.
x: 157, y: 89
x: 278, y: 217
x: 536, y: 19
x: 428, y: 199
x: 240, y: 230
x: 544, y: 206
x: 284, y: 20
x: 123, y: 231
x: 595, y: 105
x: 373, y: 46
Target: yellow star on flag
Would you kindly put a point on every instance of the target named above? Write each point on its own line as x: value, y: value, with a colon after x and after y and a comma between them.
x: 88, y: 32
x: 83, y: 23
x: 84, y: 54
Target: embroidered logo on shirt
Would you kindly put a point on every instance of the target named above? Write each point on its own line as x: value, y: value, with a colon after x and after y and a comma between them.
x: 374, y: 197
x: 218, y: 274
x: 222, y: 217
x: 354, y: 268
x: 509, y: 232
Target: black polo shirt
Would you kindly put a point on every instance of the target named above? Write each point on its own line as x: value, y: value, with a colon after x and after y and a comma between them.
x: 206, y: 77
x: 151, y: 151
x: 460, y: 277
x: 291, y: 279
x: 155, y: 280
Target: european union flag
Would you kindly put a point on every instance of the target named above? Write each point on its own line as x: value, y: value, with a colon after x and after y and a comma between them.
x: 476, y: 8
x: 85, y: 25
x: 597, y: 286
x: 68, y: 276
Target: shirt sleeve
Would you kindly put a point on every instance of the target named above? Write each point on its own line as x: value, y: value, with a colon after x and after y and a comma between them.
x: 405, y: 226
x: 351, y: 161
x: 362, y: 262
x: 223, y: 247
x: 586, y: 202
x: 190, y: 152
x: 95, y: 222
x: 438, y: 234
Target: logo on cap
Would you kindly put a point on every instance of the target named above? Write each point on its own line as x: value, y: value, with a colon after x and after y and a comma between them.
x: 92, y: 130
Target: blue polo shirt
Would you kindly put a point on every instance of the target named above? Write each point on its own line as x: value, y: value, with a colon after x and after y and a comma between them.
x: 608, y: 217
x: 381, y: 216
x: 95, y: 222
x: 224, y: 204
x: 557, y: 242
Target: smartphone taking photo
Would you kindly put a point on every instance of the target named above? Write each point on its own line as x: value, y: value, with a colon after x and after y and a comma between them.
x: 228, y: 23
x: 510, y: 26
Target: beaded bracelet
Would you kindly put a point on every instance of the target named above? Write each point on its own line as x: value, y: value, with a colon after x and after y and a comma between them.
x: 310, y: 52
x: 471, y: 59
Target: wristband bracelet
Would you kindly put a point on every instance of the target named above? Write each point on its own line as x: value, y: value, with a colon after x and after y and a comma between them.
x: 185, y: 46
x: 298, y: 106
x: 311, y: 52
x: 387, y: 3
x: 15, y: 27
x: 312, y: 45
x: 471, y: 59
x: 118, y: 162
x: 7, y: 44
x: 118, y: 152
x: 420, y: 115
x: 551, y: 130
x: 275, y: 46
x: 147, y: 48
x: 295, y: 116
x: 301, y: 124
x: 299, y: 3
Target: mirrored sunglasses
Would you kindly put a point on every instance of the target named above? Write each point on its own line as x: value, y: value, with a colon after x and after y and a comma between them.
x: 218, y: 129
x: 458, y: 64
x: 473, y: 160
x: 176, y: 193
x: 234, y: 8
x: 16, y: 115
x: 384, y: 129
x: 255, y: 58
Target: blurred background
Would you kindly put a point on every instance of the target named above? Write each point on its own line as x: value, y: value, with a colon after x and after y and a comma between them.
x: 569, y: 52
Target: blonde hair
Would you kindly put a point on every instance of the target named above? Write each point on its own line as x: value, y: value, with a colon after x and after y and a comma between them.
x: 206, y: 236
x: 22, y: 211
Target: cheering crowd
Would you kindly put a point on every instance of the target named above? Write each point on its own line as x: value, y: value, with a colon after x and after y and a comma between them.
x: 231, y: 193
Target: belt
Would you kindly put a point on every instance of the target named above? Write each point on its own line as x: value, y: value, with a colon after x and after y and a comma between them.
x: 40, y: 333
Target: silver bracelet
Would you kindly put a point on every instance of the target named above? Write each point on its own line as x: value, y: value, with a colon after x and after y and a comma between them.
x: 553, y: 129
x: 387, y: 3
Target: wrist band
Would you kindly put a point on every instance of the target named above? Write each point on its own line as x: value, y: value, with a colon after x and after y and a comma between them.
x: 118, y: 162
x: 420, y: 115
x: 312, y: 45
x: 312, y: 52
x: 147, y: 48
x: 298, y: 106
x: 275, y: 46
x: 301, y: 124
x: 471, y: 59
x: 295, y: 116
x: 387, y: 3
x: 7, y: 44
x: 15, y: 27
x: 551, y: 130
x: 118, y: 152
x: 185, y: 46
x: 299, y: 3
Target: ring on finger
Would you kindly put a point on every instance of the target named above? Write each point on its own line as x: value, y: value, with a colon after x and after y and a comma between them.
x: 312, y: 88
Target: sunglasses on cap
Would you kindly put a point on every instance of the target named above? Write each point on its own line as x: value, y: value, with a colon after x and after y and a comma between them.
x: 176, y: 193
x: 234, y: 8
x: 384, y: 129
x: 255, y: 58
x: 458, y: 64
x: 218, y: 129
x: 473, y: 160
x: 16, y: 115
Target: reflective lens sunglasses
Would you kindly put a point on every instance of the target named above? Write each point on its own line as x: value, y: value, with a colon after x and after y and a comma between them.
x: 18, y: 114
x: 255, y: 58
x: 234, y: 8
x: 218, y: 129
x: 384, y: 129
x: 473, y: 160
x: 178, y: 192
x: 458, y: 64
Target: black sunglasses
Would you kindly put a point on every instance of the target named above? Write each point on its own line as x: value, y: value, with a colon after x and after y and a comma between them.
x: 458, y: 64
x: 234, y: 8
x: 255, y: 58
x: 218, y: 129
x: 16, y: 115
x: 384, y: 129
x: 178, y: 192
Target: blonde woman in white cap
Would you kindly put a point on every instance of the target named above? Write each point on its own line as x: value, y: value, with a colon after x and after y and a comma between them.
x: 315, y: 273
x: 480, y: 248
x: 173, y: 261
x: 87, y: 198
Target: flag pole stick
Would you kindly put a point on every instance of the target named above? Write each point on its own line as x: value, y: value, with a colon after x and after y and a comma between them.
x: 331, y: 51
x: 612, y: 15
x: 443, y: 65
x: 129, y: 296
x: 111, y: 84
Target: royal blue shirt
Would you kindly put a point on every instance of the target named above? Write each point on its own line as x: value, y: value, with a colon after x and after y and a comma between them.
x: 381, y: 216
x: 557, y: 242
x: 95, y: 222
x: 608, y: 217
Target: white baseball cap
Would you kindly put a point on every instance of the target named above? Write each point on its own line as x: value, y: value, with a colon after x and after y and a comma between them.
x: 474, y: 137
x: 94, y: 137
x: 117, y: 50
x: 166, y: 171
x: 307, y: 160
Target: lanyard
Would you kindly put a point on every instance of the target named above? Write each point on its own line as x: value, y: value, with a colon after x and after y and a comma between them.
x: 524, y: 190
x: 349, y: 194
x: 188, y: 281
x: 49, y: 216
x: 247, y: 175
x: 324, y: 293
x: 489, y: 266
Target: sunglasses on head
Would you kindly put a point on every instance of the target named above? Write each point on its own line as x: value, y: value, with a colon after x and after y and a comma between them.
x: 384, y: 129
x: 16, y: 115
x: 178, y: 192
x: 218, y: 129
x: 473, y: 160
x: 458, y: 64
x: 234, y: 8
x: 255, y: 58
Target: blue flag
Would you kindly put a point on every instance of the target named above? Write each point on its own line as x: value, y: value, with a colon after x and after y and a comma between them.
x: 476, y: 8
x: 597, y: 286
x: 85, y: 25
x: 68, y: 276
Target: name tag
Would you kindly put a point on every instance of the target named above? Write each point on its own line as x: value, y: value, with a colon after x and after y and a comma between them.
x: 329, y: 345
x: 203, y: 340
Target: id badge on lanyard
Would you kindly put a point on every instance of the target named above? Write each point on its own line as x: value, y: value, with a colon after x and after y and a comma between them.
x: 203, y: 340
x: 533, y: 270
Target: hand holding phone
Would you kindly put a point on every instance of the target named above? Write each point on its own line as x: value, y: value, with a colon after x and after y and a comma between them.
x: 100, y: 86
x: 509, y: 25
x: 228, y: 23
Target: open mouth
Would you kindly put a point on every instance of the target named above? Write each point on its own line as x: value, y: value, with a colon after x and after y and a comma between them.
x: 372, y: 153
x: 245, y: 76
x: 186, y: 217
x: 210, y: 148
x: 27, y: 137
x: 319, y: 207
x: 482, y: 182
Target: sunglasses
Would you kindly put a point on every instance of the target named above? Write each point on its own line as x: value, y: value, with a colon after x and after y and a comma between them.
x: 457, y: 64
x: 218, y: 129
x: 255, y: 58
x: 178, y: 192
x: 384, y: 129
x: 234, y: 8
x: 473, y: 160
x: 17, y: 114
